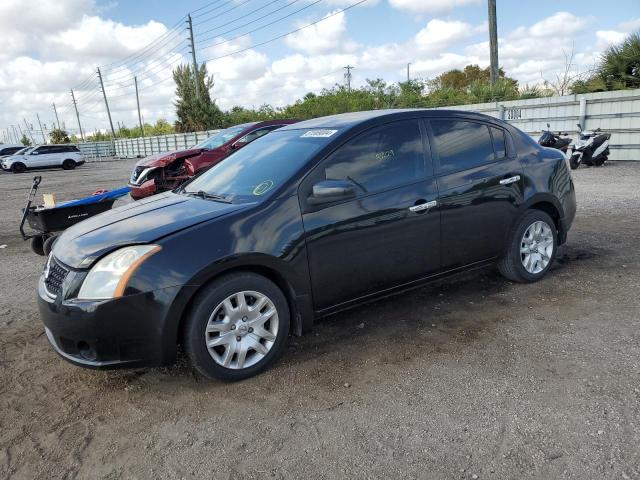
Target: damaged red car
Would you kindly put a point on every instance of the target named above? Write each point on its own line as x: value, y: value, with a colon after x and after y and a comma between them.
x: 165, y: 171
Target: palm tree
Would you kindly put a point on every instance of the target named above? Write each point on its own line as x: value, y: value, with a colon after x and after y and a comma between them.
x: 620, y: 64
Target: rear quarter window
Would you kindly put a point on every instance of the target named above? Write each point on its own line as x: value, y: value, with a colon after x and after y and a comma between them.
x: 499, y: 142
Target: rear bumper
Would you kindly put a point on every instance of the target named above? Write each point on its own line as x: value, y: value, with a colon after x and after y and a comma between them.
x: 130, y: 331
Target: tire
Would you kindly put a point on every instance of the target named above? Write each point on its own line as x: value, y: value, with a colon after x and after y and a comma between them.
x: 37, y: 245
x: 600, y: 161
x: 574, y: 161
x: 233, y: 327
x: 47, y: 246
x: 68, y: 164
x: 18, y: 167
x: 512, y: 264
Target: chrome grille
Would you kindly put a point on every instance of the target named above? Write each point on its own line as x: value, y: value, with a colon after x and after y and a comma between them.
x: 55, y: 275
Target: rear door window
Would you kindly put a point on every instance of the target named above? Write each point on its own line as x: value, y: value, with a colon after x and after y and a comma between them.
x: 461, y: 144
x: 379, y: 159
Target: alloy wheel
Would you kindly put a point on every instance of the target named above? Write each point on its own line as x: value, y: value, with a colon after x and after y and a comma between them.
x: 536, y: 247
x: 241, y: 330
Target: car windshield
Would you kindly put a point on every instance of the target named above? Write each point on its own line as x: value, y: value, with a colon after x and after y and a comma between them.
x: 223, y: 136
x: 253, y: 172
x: 24, y: 151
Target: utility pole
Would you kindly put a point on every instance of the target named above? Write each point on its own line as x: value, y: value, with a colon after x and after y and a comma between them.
x: 347, y: 77
x: 135, y: 80
x: 104, y: 94
x: 494, y: 71
x: 41, y: 130
x: 193, y: 56
x: 408, y: 75
x: 56, y: 112
x: 75, y: 105
x: 28, y: 130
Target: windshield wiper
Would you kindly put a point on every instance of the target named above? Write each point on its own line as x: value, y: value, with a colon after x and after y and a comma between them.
x: 208, y: 196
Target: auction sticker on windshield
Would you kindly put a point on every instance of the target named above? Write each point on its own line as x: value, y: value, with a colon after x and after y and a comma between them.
x: 318, y: 133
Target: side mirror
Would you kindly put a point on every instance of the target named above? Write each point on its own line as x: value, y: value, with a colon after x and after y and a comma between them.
x: 34, y: 153
x: 579, y: 127
x: 548, y: 126
x: 328, y: 191
x: 237, y: 145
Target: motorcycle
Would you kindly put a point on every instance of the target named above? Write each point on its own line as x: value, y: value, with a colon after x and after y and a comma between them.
x: 557, y: 141
x: 592, y: 148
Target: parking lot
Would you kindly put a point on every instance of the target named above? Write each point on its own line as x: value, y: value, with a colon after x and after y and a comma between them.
x: 472, y: 377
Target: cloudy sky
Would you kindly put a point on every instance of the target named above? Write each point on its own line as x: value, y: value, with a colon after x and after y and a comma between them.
x: 51, y: 46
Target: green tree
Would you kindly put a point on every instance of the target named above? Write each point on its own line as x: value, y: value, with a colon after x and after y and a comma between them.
x: 620, y: 64
x: 58, y: 136
x: 193, y: 112
x: 25, y: 141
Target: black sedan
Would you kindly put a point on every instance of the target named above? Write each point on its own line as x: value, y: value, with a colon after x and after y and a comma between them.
x: 315, y: 217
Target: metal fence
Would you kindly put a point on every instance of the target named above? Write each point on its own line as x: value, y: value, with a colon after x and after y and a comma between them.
x: 617, y: 112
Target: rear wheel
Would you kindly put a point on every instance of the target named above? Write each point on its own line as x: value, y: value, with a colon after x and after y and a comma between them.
x: 18, y: 167
x: 237, y: 327
x: 531, y: 249
x: 68, y: 164
x: 600, y: 161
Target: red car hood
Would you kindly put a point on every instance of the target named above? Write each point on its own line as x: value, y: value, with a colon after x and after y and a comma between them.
x: 164, y: 159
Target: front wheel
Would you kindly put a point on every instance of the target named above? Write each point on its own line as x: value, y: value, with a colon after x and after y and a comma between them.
x: 575, y: 160
x: 18, y: 167
x: 238, y: 326
x: 531, y: 249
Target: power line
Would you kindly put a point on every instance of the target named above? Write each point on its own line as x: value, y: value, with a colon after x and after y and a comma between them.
x: 225, y: 2
x: 244, y: 24
x: 219, y: 14
x: 169, y: 43
x: 288, y: 33
x: 276, y: 21
x: 149, y: 46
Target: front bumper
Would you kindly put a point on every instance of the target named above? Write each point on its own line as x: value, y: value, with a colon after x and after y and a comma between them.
x: 129, y: 331
x: 147, y: 189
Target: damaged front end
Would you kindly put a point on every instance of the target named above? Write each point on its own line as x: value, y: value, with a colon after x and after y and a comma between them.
x: 161, y: 173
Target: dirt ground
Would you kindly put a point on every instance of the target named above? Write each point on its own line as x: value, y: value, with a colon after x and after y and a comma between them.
x: 472, y: 377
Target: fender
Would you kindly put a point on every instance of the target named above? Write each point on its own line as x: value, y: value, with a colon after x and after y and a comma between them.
x: 297, y: 292
x: 551, y: 205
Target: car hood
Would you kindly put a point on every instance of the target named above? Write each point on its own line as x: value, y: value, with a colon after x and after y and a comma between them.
x: 164, y: 159
x: 144, y: 221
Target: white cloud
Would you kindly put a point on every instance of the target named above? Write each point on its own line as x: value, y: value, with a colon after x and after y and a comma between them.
x: 560, y: 24
x: 326, y: 36
x: 440, y: 34
x: 606, y: 38
x: 430, y: 6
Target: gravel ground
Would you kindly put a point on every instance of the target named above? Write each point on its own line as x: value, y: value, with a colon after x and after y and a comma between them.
x: 472, y: 377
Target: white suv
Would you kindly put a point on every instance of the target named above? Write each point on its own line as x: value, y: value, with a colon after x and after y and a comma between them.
x: 65, y: 156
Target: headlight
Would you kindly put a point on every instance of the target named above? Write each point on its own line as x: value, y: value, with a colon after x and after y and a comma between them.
x: 109, y: 277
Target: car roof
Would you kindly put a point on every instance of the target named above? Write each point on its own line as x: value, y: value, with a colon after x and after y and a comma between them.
x: 348, y: 120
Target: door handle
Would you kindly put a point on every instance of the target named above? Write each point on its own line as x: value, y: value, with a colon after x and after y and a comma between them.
x: 423, y: 206
x: 507, y: 181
